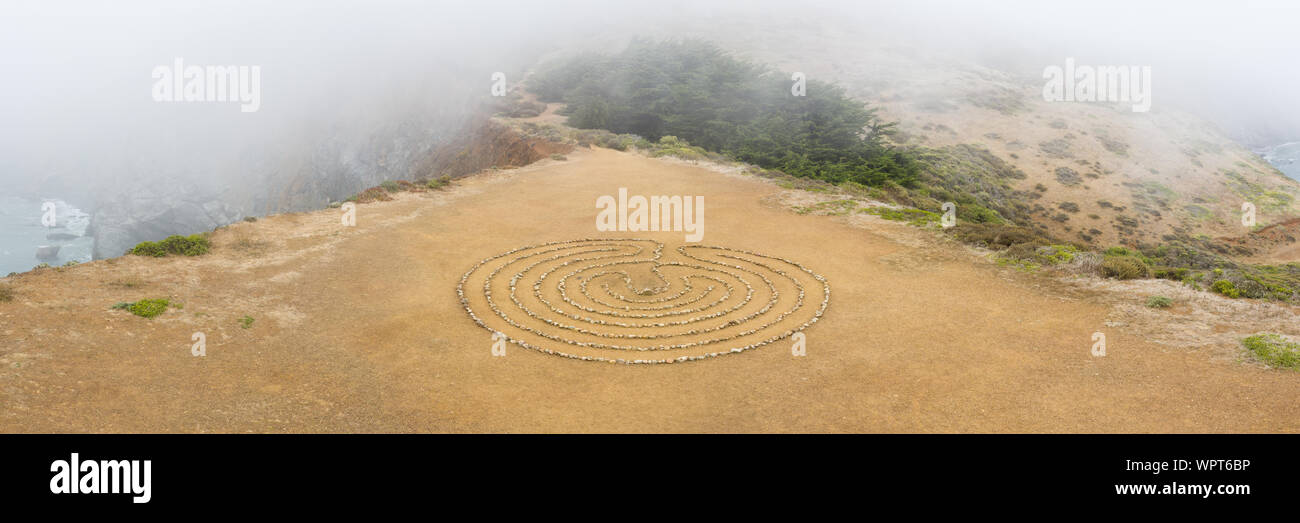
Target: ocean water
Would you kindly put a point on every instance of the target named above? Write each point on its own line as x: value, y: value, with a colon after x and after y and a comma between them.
x: 1285, y: 157
x: 21, y: 233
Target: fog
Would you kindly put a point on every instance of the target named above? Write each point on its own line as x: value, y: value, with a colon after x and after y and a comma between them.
x: 81, y: 122
x: 1230, y: 62
x: 77, y: 96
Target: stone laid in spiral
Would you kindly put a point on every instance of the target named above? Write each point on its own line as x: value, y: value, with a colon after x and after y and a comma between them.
x: 626, y: 301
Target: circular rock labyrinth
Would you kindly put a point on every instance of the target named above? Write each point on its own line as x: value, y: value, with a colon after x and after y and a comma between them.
x: 627, y: 301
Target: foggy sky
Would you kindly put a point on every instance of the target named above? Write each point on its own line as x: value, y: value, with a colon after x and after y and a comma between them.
x: 75, y: 98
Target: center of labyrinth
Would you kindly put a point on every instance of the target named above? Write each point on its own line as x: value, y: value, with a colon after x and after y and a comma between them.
x: 627, y: 301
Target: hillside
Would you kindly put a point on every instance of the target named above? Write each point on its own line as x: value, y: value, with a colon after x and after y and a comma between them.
x: 1096, y: 174
x: 1131, y: 177
x: 359, y: 329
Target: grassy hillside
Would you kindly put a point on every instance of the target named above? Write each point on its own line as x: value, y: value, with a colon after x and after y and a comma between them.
x: 1085, y: 187
x: 1097, y: 174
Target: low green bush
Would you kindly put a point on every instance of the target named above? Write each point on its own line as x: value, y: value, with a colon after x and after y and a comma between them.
x: 994, y: 235
x: 1159, y: 302
x: 1274, y: 350
x: 1124, y: 267
x: 1172, y: 274
x: 915, y: 217
x: 1225, y: 288
x: 144, y: 308
x: 1039, y: 254
x: 439, y: 183
x: 192, y: 245
x: 373, y: 194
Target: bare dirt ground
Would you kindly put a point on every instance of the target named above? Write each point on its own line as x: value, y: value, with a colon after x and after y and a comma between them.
x: 359, y: 329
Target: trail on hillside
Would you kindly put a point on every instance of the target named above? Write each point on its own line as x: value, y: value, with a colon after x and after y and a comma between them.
x: 360, y: 329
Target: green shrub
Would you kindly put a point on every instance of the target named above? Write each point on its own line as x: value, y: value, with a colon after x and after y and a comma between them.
x: 1248, y: 288
x: 915, y: 217
x: 618, y: 142
x: 1226, y: 288
x: 1037, y: 254
x: 1124, y: 268
x: 1058, y: 254
x: 391, y: 186
x: 439, y: 183
x: 994, y: 235
x: 148, y: 249
x: 559, y: 157
x: 1172, y: 274
x: 6, y: 293
x: 1278, y: 282
x: 974, y: 213
x: 246, y: 322
x: 724, y: 104
x: 145, y: 308
x: 1159, y: 302
x: 373, y: 194
x: 192, y: 245
x: 1274, y: 350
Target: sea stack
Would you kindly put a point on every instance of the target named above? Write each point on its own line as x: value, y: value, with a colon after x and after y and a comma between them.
x: 47, y: 252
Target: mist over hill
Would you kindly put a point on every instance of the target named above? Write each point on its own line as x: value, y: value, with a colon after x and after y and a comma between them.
x: 351, y: 95
x: 355, y: 94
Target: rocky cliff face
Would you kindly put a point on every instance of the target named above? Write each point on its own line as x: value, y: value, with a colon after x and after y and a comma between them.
x: 153, y: 213
x: 485, y: 145
x: 331, y: 170
x: 149, y: 211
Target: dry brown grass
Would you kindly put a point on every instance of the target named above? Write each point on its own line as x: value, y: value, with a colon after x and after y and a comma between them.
x: 128, y: 282
x: 248, y: 244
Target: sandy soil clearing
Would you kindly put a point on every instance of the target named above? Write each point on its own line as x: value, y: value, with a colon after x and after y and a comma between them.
x: 360, y: 330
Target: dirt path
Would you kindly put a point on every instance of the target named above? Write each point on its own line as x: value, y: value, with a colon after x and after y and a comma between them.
x: 548, y: 115
x: 360, y: 330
